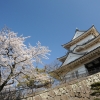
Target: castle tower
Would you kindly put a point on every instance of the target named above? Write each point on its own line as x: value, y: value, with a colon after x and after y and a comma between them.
x: 83, y: 56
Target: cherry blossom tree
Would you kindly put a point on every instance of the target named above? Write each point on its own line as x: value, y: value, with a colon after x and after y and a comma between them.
x: 17, y: 59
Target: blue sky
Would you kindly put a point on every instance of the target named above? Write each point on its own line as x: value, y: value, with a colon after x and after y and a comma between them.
x: 52, y: 22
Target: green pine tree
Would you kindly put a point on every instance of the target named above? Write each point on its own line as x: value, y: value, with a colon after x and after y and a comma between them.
x: 95, y: 87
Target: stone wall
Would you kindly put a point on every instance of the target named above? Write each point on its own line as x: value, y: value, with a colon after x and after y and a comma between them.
x: 74, y: 90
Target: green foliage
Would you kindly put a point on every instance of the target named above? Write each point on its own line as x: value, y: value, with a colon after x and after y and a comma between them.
x: 97, y: 99
x: 28, y: 83
x: 95, y: 84
x: 32, y: 82
x: 95, y: 87
x: 40, y: 70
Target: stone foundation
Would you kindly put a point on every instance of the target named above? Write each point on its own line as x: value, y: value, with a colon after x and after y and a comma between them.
x: 74, y: 90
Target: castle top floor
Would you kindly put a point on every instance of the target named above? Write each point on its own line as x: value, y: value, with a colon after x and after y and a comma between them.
x: 81, y: 37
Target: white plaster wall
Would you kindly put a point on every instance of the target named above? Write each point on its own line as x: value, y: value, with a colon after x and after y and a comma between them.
x: 82, y: 41
x: 71, y: 57
x: 92, y: 48
x: 80, y: 70
x: 78, y: 33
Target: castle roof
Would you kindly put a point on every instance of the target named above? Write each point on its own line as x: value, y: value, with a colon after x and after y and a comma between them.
x: 79, y: 35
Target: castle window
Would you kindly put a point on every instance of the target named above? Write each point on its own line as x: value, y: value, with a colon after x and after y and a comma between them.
x: 90, y: 65
x: 96, y: 61
x: 93, y: 66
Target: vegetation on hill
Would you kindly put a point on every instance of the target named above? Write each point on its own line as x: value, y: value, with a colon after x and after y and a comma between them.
x: 95, y: 88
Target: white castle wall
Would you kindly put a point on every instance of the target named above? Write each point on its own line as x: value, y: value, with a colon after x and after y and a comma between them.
x: 71, y: 57
x: 81, y: 70
x: 82, y: 41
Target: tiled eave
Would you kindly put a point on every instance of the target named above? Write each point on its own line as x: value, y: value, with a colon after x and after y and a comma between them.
x: 92, y: 31
x: 82, y: 47
x: 63, y: 58
x: 76, y: 63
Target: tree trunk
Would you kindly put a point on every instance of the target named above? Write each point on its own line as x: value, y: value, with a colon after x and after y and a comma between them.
x: 5, y: 82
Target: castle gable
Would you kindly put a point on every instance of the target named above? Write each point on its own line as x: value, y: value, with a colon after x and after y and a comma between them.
x: 71, y: 57
x: 78, y: 33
